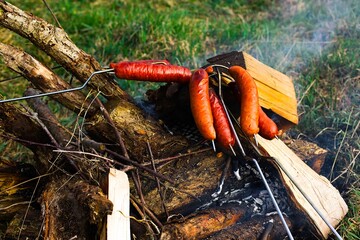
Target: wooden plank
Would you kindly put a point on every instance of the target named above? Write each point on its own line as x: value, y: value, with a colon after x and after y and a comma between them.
x: 318, y: 189
x: 118, y: 223
x: 276, y: 102
x: 276, y: 90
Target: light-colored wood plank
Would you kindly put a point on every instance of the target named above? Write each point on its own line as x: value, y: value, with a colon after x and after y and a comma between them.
x: 276, y: 90
x: 318, y: 188
x: 277, y: 102
x: 118, y: 223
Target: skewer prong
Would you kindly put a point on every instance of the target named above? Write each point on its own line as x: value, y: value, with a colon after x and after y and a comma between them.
x: 232, y: 150
x: 213, y: 145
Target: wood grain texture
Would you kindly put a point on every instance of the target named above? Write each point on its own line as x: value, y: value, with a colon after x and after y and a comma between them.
x: 318, y: 188
x: 276, y: 90
x: 118, y: 223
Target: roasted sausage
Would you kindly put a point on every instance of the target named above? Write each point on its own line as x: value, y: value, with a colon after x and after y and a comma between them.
x: 200, y: 104
x: 249, y: 107
x: 268, y: 128
x: 147, y: 71
x: 224, y: 135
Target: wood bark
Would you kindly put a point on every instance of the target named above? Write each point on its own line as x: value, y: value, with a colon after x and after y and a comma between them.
x: 56, y: 43
x: 45, y: 79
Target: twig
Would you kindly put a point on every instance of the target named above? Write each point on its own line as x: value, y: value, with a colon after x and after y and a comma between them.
x: 137, y: 182
x: 168, y: 159
x: 136, y: 204
x: 156, y: 220
x: 53, y: 126
x: 111, y: 122
x: 52, y: 13
x: 28, y: 207
x: 26, y: 181
x: 138, y: 165
x: 157, y: 180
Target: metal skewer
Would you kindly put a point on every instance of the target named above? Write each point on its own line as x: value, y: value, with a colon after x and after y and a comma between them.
x: 273, y: 199
x: 256, y: 164
x: 228, y: 117
x: 60, y: 91
x: 311, y: 202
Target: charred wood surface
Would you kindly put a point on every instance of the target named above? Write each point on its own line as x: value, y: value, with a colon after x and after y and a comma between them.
x: 72, y: 208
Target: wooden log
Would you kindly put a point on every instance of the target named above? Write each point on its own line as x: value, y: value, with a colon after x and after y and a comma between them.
x: 256, y: 228
x: 72, y: 208
x: 18, y: 124
x: 309, y: 152
x: 299, y: 178
x: 56, y: 43
x: 203, y: 223
x: 45, y: 79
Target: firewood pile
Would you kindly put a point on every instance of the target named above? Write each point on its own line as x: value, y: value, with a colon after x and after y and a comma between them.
x: 181, y: 186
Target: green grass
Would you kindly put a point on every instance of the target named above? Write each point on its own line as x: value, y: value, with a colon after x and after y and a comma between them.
x: 317, y: 43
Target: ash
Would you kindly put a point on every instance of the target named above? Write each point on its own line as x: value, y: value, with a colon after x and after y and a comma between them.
x: 251, y: 192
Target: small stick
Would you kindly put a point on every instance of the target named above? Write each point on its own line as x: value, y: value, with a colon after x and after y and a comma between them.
x: 138, y: 165
x: 148, y: 212
x: 111, y: 122
x: 157, y: 180
x: 52, y: 13
x: 168, y: 159
x: 136, y: 178
x: 136, y: 204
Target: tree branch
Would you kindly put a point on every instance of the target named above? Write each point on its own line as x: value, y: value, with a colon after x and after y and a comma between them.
x: 44, y: 79
x: 57, y: 44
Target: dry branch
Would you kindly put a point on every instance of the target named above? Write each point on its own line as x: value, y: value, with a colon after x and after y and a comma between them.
x: 44, y: 79
x: 56, y: 43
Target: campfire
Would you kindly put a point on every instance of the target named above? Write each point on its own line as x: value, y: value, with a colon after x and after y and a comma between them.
x: 187, y: 164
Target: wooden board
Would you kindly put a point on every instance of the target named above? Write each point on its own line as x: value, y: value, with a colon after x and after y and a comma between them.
x: 322, y: 194
x: 118, y: 223
x: 276, y: 90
